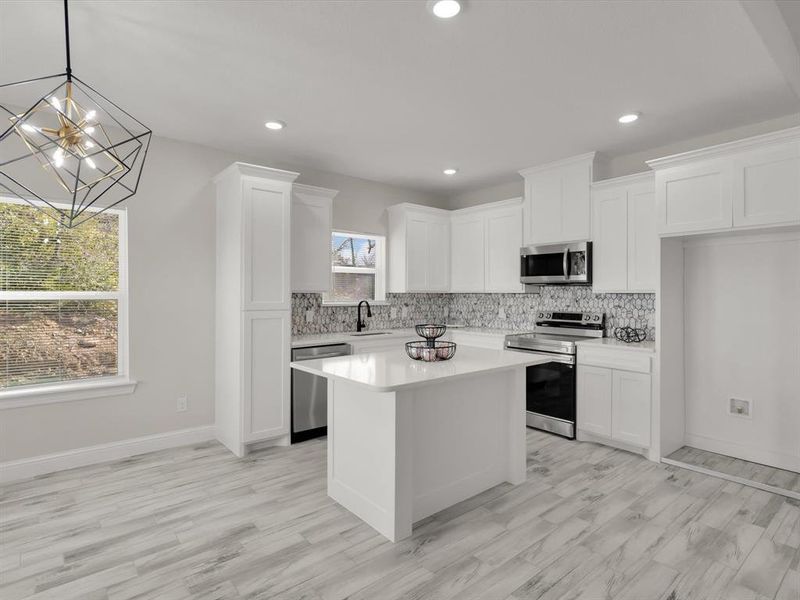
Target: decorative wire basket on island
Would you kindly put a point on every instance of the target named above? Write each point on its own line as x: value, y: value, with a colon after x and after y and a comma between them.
x: 430, y: 350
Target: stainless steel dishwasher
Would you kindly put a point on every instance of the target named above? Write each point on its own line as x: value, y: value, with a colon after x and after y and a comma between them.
x: 310, y: 393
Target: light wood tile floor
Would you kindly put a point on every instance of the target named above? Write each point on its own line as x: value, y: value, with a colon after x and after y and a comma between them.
x: 197, y: 523
x: 780, y: 478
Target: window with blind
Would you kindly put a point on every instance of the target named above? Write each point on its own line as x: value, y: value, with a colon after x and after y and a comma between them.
x: 62, y: 297
x: 358, y: 268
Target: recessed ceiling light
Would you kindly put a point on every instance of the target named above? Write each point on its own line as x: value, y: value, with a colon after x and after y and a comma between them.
x: 629, y: 118
x: 450, y: 171
x: 445, y: 9
x: 275, y: 125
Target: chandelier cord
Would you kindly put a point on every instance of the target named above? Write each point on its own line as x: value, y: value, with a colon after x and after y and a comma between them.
x: 66, y: 37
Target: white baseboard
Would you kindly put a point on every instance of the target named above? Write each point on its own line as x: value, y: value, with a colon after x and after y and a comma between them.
x: 745, y: 452
x: 90, y: 455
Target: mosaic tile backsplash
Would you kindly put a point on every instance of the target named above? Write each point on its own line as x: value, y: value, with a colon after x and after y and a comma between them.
x: 401, y: 310
x: 502, y: 311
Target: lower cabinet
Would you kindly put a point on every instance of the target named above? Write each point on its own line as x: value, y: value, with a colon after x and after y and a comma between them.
x: 266, y: 374
x: 615, y: 403
x: 630, y: 408
x: 595, y: 389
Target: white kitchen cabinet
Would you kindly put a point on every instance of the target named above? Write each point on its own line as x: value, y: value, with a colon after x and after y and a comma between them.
x: 630, y: 408
x: 503, y: 242
x: 312, y: 222
x: 419, y: 249
x: 468, y: 249
x: 695, y: 197
x: 624, y: 235
x: 558, y: 201
x: 485, y: 243
x: 643, y: 238
x: 266, y: 375
x: 253, y: 313
x: 766, y: 188
x: 614, y: 394
x: 746, y: 184
x: 594, y: 397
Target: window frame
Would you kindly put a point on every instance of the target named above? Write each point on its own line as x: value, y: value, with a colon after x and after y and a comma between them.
x: 379, y: 270
x: 90, y: 387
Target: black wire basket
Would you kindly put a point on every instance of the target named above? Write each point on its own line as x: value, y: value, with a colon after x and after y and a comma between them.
x: 430, y: 350
x: 430, y: 332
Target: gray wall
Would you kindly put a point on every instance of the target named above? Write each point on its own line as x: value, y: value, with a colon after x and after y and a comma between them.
x: 171, y: 264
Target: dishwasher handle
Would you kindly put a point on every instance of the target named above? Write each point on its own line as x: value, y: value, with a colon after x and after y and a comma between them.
x: 315, y: 352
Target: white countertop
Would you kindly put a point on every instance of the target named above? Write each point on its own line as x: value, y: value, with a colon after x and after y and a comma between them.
x: 392, y: 370
x: 610, y: 342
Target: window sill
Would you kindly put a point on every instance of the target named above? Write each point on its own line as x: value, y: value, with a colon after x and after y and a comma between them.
x: 65, y: 392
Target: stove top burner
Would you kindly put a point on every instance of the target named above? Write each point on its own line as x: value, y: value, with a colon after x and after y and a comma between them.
x: 558, y: 332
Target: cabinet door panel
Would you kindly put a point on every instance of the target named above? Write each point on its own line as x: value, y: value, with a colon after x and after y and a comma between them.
x: 767, y: 189
x: 416, y: 254
x: 576, y: 202
x: 642, y: 240
x: 503, y: 241
x: 594, y: 400
x: 267, y: 342
x: 631, y: 408
x: 694, y: 198
x: 266, y: 247
x: 467, y: 254
x: 438, y: 266
x: 544, y: 190
x: 311, y: 244
x: 610, y: 248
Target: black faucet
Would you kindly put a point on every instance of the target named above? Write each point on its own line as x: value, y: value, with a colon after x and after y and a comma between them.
x: 360, y: 323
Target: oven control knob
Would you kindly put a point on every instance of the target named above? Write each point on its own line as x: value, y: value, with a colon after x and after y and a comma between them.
x: 541, y: 315
x: 548, y: 315
x: 597, y: 317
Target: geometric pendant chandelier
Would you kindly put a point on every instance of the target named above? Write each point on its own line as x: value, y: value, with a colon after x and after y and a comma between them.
x: 67, y: 149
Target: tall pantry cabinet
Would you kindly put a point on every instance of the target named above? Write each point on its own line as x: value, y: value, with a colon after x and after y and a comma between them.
x: 253, y: 306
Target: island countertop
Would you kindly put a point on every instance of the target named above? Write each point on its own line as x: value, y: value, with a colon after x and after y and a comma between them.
x: 391, y: 370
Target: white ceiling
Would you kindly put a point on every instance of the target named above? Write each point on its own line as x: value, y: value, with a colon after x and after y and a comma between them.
x: 384, y: 91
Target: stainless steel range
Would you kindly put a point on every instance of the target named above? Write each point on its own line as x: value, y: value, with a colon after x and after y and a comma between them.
x: 550, y: 395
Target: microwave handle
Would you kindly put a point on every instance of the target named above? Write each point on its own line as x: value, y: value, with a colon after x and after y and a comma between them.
x: 565, y: 263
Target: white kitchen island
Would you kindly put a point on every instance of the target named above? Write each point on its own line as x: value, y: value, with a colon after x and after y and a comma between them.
x: 407, y: 439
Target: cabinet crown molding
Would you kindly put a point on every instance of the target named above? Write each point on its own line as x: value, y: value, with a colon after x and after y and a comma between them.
x: 728, y: 148
x: 486, y: 206
x: 404, y: 206
x: 313, y: 190
x: 636, y: 178
x: 246, y: 169
x: 588, y: 157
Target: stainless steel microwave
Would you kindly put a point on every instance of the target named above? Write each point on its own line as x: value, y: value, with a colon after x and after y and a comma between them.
x: 562, y: 264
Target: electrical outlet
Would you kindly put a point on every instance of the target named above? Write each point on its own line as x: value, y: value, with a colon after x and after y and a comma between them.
x: 740, y: 408
x: 501, y: 313
x: 405, y: 312
x: 393, y: 312
x: 309, y: 316
x: 182, y: 405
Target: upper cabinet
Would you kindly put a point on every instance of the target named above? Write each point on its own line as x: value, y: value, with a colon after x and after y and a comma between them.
x: 312, y: 220
x: 484, y: 243
x: 624, y: 234
x: 740, y: 185
x: 254, y: 207
x: 557, y: 204
x: 468, y: 249
x: 419, y: 249
x: 503, y: 241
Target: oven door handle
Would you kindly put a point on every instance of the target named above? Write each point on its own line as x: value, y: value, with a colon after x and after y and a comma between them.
x: 565, y: 263
x: 566, y: 360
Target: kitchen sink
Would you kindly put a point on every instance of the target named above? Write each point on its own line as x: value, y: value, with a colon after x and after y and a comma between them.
x: 364, y: 333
